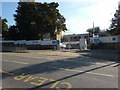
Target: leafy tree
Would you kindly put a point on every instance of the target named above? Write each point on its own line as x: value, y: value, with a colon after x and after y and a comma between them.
x: 5, y: 33
x: 13, y: 33
x: 25, y: 20
x: 115, y: 25
x: 0, y: 25
x: 34, y: 19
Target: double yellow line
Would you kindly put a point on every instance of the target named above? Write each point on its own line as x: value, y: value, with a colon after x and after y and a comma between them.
x: 6, y: 72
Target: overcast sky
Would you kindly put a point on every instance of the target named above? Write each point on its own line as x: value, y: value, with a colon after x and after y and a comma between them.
x: 79, y: 14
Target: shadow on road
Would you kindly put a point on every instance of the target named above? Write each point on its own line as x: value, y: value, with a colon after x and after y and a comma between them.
x: 71, y: 76
x: 112, y: 55
x: 53, y: 66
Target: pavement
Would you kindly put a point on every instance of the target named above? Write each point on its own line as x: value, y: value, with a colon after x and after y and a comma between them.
x: 37, y: 69
x: 113, y: 55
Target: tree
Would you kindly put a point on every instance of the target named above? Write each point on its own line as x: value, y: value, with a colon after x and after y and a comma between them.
x: 13, y: 33
x: 5, y: 33
x: 34, y: 19
x: 115, y: 25
x: 24, y: 18
x: 0, y: 25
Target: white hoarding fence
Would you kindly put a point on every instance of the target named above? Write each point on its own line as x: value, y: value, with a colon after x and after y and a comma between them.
x: 107, y: 39
x: 39, y: 42
x: 20, y: 42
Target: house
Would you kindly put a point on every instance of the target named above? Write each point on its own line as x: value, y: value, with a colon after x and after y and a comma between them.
x: 74, y: 37
x: 73, y: 40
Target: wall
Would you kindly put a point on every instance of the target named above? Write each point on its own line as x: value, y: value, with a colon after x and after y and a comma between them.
x: 109, y: 42
x: 107, y: 39
x: 109, y: 46
x: 42, y: 47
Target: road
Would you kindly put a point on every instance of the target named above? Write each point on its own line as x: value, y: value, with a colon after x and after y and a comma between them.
x: 57, y: 69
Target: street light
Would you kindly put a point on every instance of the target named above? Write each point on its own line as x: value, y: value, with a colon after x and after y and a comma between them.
x: 69, y: 42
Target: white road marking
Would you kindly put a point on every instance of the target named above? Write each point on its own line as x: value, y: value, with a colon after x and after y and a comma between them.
x: 42, y: 58
x: 115, y: 64
x: 79, y: 61
x: 35, y: 57
x: 107, y: 63
x: 101, y: 63
x: 84, y: 71
x: 15, y: 62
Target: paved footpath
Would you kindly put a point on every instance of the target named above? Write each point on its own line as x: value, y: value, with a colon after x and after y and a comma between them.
x: 113, y: 55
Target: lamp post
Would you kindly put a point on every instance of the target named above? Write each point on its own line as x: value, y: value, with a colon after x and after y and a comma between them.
x: 69, y: 43
x: 93, y: 30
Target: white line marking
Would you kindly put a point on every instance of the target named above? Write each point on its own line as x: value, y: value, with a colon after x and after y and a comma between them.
x: 85, y: 72
x: 42, y: 58
x: 34, y: 57
x: 101, y: 63
x: 115, y: 64
x: 16, y: 62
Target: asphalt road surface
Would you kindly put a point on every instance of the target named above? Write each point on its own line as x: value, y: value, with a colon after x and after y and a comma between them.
x: 57, y: 69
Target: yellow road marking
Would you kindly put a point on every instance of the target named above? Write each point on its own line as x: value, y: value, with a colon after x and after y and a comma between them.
x: 21, y: 76
x: 30, y: 78
x: 68, y: 84
x: 55, y: 84
x: 6, y: 72
x: 40, y: 80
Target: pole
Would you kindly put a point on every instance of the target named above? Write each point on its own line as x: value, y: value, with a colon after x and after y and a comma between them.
x: 69, y: 42
x: 93, y: 28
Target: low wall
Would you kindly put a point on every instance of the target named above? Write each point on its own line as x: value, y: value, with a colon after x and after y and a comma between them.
x: 41, y: 47
x: 12, y: 49
x: 109, y: 46
x: 73, y: 46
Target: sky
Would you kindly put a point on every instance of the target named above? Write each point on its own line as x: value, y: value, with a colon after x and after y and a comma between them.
x: 79, y: 14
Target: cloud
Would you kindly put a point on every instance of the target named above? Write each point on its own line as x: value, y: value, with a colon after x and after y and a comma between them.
x: 103, y: 12
x: 100, y: 13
